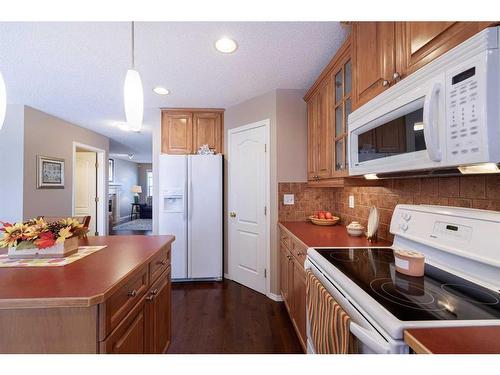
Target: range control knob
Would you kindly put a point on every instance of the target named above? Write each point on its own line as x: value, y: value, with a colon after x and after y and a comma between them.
x: 405, y: 216
x: 403, y: 227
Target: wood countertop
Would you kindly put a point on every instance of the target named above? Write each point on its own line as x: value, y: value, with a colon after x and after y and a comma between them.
x: 454, y: 340
x: 84, y: 283
x: 327, y: 236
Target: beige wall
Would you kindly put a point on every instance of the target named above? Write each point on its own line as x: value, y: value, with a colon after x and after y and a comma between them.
x: 288, y: 152
x: 291, y: 117
x: 51, y: 136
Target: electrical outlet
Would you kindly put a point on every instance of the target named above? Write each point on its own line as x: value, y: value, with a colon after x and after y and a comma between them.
x: 288, y: 199
x: 351, y: 201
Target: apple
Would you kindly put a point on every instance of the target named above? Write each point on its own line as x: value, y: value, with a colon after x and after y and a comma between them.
x: 321, y: 215
x: 328, y: 215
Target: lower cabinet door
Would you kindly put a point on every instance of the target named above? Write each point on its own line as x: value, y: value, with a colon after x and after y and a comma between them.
x: 284, y: 261
x: 299, y: 300
x: 130, y: 335
x: 158, y: 307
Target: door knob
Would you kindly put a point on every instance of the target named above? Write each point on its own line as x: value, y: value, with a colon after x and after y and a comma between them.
x: 232, y: 214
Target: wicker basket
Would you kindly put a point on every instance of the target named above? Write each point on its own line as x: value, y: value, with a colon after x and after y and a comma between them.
x: 334, y: 220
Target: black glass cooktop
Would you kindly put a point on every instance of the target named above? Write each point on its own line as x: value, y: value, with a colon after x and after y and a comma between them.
x: 438, y: 295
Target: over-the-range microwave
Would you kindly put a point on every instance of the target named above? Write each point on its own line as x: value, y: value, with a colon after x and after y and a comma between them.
x: 446, y: 114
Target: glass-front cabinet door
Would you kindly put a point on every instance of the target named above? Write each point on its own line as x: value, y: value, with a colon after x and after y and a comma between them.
x: 341, y: 109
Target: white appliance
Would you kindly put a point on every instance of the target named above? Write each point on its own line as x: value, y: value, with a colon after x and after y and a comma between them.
x: 460, y: 286
x: 444, y: 115
x: 190, y: 196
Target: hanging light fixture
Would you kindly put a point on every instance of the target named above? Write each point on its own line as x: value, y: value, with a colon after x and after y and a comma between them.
x: 3, y: 100
x: 133, y: 95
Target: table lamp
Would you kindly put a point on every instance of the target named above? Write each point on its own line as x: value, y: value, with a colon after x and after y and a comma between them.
x: 136, y: 189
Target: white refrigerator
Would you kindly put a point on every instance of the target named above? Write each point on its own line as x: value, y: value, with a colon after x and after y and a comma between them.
x: 190, y: 196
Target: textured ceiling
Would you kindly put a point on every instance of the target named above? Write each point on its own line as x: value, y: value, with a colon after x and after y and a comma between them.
x: 76, y: 70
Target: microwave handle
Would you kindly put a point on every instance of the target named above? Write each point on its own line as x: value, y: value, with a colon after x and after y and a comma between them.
x: 371, y: 339
x: 430, y: 130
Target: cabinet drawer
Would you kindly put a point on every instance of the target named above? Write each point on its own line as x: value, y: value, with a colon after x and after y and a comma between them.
x: 285, y: 238
x: 130, y: 335
x: 299, y: 251
x: 158, y: 264
x: 116, y: 307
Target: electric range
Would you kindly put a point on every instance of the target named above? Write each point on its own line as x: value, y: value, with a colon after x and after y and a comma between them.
x: 460, y: 286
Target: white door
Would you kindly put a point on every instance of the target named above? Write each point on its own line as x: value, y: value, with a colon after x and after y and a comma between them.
x: 205, y: 216
x: 85, y: 186
x: 247, y: 250
x: 173, y: 209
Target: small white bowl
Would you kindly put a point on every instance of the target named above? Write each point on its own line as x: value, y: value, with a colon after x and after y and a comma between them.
x: 355, y: 229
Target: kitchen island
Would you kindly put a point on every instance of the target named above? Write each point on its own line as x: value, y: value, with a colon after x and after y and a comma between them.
x: 116, y: 300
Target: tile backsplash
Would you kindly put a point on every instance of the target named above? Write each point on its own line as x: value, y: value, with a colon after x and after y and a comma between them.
x: 481, y: 192
x: 307, y: 200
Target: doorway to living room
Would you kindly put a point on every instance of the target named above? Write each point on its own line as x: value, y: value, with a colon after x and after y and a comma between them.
x: 130, y: 202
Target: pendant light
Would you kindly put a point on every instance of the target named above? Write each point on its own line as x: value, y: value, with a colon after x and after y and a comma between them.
x: 133, y: 95
x: 3, y: 100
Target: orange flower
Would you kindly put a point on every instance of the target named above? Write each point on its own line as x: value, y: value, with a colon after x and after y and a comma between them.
x: 46, y: 239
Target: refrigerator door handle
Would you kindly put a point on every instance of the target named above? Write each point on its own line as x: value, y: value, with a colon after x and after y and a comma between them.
x: 190, y: 199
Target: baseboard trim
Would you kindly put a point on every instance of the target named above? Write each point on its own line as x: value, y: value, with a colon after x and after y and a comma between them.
x: 275, y: 297
x: 226, y: 276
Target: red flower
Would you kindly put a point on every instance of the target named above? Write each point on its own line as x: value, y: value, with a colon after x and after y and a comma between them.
x: 5, y: 225
x: 46, y: 239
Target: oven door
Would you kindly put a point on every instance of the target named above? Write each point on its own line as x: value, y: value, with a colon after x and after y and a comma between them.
x: 370, y: 340
x: 400, y: 133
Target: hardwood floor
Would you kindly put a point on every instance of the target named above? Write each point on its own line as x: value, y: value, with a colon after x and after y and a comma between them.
x: 226, y: 317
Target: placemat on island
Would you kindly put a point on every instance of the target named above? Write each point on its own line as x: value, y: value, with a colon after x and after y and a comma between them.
x: 83, y: 251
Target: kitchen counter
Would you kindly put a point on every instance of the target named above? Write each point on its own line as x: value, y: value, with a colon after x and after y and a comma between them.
x: 313, y: 235
x: 83, y: 283
x: 454, y: 340
x: 106, y: 302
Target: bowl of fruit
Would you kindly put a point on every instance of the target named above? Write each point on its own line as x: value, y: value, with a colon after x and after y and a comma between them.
x: 324, y: 218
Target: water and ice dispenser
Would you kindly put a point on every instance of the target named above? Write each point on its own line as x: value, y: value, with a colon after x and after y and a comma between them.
x: 173, y: 200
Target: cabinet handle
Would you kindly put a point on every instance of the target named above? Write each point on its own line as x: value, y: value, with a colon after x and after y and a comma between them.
x: 385, y: 83
x: 162, y: 262
x: 132, y: 293
x: 289, y: 257
x: 154, y: 292
x: 299, y: 253
x: 150, y: 298
x: 396, y: 76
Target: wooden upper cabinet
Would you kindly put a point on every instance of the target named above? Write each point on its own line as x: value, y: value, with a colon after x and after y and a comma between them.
x: 373, y: 59
x: 185, y: 130
x: 328, y: 105
x: 207, y: 129
x: 312, y: 105
x: 422, y: 42
x: 177, y: 133
x: 323, y: 134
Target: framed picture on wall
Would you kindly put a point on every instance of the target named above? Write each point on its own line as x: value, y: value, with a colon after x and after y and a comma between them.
x: 111, y: 170
x: 50, y: 173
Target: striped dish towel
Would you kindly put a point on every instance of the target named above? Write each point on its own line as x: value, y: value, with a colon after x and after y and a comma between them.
x: 329, y: 323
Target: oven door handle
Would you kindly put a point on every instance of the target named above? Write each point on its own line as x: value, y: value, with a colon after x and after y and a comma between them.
x: 371, y: 339
x: 430, y: 127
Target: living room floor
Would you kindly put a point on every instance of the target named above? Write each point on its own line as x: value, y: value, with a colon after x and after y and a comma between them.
x: 133, y: 227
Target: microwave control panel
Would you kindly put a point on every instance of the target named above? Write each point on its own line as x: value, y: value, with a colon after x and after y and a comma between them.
x: 464, y: 112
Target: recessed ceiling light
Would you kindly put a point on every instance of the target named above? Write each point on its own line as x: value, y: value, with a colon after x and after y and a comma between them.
x: 161, y: 90
x: 226, y: 45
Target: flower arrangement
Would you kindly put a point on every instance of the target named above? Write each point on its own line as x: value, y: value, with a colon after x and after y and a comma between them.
x: 38, y: 234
